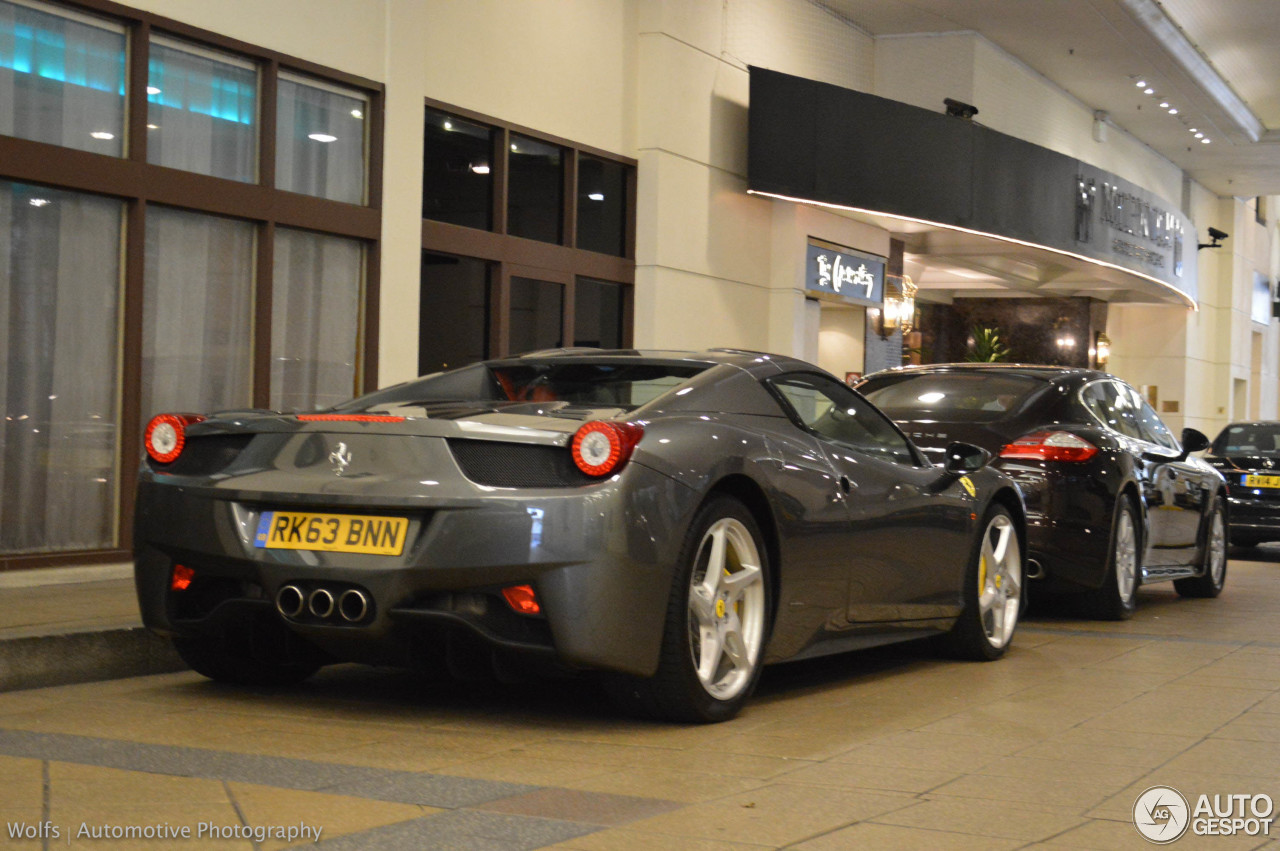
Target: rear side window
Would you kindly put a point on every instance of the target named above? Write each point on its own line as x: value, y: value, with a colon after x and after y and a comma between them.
x: 1121, y: 408
x: 951, y: 397
x: 833, y: 411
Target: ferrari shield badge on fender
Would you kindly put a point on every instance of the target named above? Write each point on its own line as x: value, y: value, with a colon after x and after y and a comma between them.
x: 968, y: 485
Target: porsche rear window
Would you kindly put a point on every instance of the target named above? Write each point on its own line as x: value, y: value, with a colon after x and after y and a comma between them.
x: 955, y: 397
x: 1258, y: 439
x: 622, y: 385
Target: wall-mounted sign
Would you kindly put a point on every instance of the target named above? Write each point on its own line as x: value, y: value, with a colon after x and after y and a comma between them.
x: 1127, y: 225
x: 817, y: 142
x: 854, y: 277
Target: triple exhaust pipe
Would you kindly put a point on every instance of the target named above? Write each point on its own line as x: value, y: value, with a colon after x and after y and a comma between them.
x: 351, y: 605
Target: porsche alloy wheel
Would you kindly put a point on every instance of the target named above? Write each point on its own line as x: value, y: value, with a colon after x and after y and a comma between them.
x: 1117, y: 597
x: 1210, y: 582
x: 717, y: 622
x: 993, y: 591
x: 726, y: 609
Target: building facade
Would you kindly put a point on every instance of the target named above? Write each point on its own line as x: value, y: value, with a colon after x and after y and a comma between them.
x: 235, y: 204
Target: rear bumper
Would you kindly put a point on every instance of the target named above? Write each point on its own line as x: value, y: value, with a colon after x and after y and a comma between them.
x: 600, y: 558
x: 1069, y: 515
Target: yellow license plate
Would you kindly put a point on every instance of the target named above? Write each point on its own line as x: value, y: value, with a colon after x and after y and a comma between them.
x: 333, y: 533
x: 1262, y: 481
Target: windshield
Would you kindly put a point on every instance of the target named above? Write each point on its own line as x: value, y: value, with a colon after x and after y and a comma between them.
x: 614, y: 384
x: 951, y: 397
x: 1253, y: 439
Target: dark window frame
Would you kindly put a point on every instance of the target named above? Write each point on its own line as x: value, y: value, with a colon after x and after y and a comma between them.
x: 561, y: 262
x: 138, y: 183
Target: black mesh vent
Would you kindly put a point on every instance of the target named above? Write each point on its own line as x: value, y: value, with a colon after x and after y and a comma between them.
x: 517, y: 465
x: 204, y: 456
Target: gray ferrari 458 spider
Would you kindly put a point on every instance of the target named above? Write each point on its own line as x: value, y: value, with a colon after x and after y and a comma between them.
x: 673, y: 520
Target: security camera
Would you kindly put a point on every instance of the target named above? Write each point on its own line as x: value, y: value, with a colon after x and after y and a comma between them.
x: 1217, y: 236
x: 959, y: 109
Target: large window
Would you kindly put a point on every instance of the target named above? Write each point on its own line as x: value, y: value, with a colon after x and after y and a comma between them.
x: 62, y: 78
x: 457, y: 173
x: 315, y: 316
x: 599, y: 314
x: 537, y: 313
x: 455, y: 312
x: 528, y: 241
x: 320, y: 139
x: 201, y: 111
x: 187, y: 223
x: 59, y: 340
x: 198, y: 313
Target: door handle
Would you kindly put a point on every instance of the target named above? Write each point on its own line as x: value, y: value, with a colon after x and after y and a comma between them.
x: 845, y: 484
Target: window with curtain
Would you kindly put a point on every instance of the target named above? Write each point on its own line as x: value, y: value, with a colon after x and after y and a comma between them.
x: 62, y: 78
x: 197, y: 335
x: 320, y: 139
x: 59, y: 338
x: 315, y: 319
x: 201, y: 110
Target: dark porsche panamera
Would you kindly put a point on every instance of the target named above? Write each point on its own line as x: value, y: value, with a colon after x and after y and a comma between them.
x: 673, y: 520
x: 1113, y: 500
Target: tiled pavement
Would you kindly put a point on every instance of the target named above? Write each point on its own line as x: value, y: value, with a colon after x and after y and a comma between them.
x: 891, y: 749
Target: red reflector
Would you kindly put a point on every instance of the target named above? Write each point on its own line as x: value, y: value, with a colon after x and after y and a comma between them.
x: 349, y: 418
x: 522, y: 599
x: 1050, y: 446
x: 182, y: 576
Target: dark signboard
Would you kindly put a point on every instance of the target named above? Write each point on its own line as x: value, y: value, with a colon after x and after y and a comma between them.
x: 856, y: 277
x: 818, y: 142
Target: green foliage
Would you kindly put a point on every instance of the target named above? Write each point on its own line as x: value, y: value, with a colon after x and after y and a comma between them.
x: 987, y: 346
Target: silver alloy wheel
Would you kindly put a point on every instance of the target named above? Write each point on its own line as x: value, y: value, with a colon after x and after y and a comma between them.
x: 999, y: 580
x: 726, y: 609
x: 1217, y: 549
x: 1126, y: 557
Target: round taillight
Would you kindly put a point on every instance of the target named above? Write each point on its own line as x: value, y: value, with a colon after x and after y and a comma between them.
x: 166, y: 435
x: 600, y: 448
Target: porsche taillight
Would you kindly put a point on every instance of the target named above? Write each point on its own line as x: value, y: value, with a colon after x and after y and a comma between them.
x: 600, y: 448
x: 166, y: 435
x: 1050, y: 446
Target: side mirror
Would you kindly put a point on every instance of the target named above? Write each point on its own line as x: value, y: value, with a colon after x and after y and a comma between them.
x: 1193, y: 441
x: 964, y: 458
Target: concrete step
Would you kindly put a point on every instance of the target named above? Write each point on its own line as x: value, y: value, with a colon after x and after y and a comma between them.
x: 74, y: 625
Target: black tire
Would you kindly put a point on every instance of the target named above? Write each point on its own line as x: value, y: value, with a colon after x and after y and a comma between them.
x: 993, y: 591
x: 1117, y: 597
x: 1214, y: 566
x: 1244, y: 541
x: 741, y: 613
x: 261, y: 664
